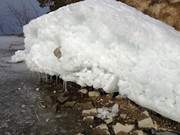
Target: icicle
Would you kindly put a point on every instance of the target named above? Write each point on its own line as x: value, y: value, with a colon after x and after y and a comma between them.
x: 46, y: 77
x: 56, y: 80
x: 65, y: 86
x: 49, y: 77
x: 40, y: 77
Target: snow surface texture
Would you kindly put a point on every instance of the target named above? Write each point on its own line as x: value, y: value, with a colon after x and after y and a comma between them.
x: 107, y: 44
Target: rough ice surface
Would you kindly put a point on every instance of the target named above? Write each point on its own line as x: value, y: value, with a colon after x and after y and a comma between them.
x: 107, y: 44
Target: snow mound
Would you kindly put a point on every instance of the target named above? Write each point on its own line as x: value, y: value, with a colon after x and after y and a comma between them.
x: 107, y: 44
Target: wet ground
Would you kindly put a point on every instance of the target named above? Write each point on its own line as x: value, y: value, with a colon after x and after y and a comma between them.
x: 21, y: 104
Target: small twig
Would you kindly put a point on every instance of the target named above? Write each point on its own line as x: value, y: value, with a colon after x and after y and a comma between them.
x: 37, y: 116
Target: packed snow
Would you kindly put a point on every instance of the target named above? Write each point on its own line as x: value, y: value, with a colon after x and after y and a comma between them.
x: 107, y: 44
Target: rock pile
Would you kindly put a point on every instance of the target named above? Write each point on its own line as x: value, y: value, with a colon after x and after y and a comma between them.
x: 109, y: 114
x: 167, y: 11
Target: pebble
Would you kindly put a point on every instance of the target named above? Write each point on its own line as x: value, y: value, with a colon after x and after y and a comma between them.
x: 123, y: 116
x: 108, y: 120
x: 101, y: 130
x: 37, y: 89
x: 88, y: 119
x: 86, y: 105
x: 118, y: 128
x: 93, y: 94
x: 146, y: 113
x: 69, y: 104
x: 54, y: 92
x: 90, y: 112
x: 103, y: 126
x: 139, y: 132
x: 23, y: 106
x: 83, y: 91
x: 146, y: 123
x: 58, y: 116
x: 47, y: 120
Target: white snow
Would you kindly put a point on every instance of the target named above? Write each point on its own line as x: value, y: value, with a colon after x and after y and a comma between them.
x: 105, y: 112
x: 107, y: 44
x: 18, y: 57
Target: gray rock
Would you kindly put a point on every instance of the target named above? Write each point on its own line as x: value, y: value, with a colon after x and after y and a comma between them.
x: 101, y: 130
x: 123, y: 116
x: 146, y: 113
x: 37, y: 89
x: 93, y: 94
x: 57, y: 53
x: 108, y: 120
x: 118, y: 128
x: 139, y: 132
x: 90, y: 112
x: 103, y: 126
x: 70, y: 103
x: 118, y: 97
x: 86, y: 105
x: 23, y: 106
x: 146, y: 123
x: 88, y: 119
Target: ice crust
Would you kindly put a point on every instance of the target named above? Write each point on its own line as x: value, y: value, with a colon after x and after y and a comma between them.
x: 107, y: 44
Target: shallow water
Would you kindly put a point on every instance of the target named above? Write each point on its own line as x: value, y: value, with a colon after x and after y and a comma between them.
x: 26, y: 107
